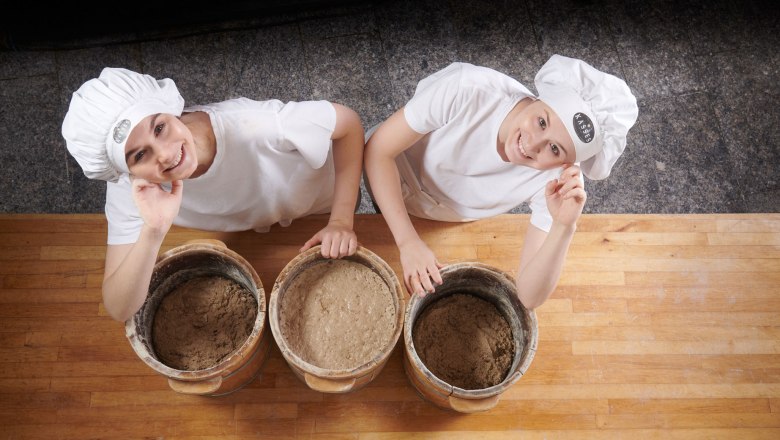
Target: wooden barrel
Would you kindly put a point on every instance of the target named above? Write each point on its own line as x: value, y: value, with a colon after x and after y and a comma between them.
x: 498, y: 288
x: 333, y: 380
x: 199, y: 258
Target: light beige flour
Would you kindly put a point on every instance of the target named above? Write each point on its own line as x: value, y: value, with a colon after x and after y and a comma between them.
x: 337, y: 314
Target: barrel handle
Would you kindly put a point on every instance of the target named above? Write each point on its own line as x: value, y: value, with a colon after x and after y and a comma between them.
x: 328, y: 385
x: 207, y: 386
x: 473, y: 405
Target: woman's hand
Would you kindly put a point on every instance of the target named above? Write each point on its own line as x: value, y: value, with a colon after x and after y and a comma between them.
x: 421, y: 269
x: 566, y: 196
x: 157, y: 206
x: 338, y: 240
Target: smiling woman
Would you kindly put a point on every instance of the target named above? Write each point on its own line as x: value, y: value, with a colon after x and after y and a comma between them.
x: 162, y: 147
x: 133, y: 131
x: 533, y: 135
x: 474, y: 143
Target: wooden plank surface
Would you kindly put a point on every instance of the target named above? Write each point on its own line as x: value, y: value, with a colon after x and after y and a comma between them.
x: 662, y: 327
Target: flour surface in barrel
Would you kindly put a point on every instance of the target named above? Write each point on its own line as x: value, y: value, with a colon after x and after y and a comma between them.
x: 201, y: 321
x: 337, y: 314
x: 465, y: 341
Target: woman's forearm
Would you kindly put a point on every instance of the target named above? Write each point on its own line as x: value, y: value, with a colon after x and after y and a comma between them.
x: 348, y: 144
x: 391, y: 139
x: 386, y: 188
x: 126, y: 286
x: 539, y: 272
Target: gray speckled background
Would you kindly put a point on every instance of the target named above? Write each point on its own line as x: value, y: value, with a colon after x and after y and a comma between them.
x: 705, y: 74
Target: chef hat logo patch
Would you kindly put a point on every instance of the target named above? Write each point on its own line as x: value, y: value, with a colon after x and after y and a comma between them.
x: 583, y: 126
x: 121, y: 131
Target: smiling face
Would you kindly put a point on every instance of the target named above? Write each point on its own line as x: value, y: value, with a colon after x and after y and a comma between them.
x: 160, y: 148
x: 533, y: 135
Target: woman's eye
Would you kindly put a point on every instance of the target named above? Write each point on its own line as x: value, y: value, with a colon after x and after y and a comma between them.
x: 554, y: 149
x: 158, y: 128
x: 138, y: 156
x: 542, y: 123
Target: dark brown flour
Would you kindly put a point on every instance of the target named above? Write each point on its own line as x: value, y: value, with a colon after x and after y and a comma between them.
x: 465, y: 341
x: 202, y: 321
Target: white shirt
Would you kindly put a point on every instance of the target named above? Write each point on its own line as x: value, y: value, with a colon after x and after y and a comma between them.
x: 273, y: 164
x: 454, y: 173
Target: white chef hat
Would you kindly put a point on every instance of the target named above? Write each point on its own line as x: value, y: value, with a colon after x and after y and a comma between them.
x: 597, y: 109
x: 103, y: 112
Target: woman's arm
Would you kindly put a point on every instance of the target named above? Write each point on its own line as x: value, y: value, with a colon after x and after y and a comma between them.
x: 128, y: 272
x: 338, y: 238
x: 543, y: 255
x: 129, y: 267
x: 421, y: 269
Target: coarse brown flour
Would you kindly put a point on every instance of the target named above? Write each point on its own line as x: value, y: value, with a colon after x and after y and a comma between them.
x: 202, y: 321
x: 465, y: 341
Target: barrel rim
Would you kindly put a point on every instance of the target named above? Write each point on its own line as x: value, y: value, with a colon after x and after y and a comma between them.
x: 313, y: 255
x: 232, y: 360
x: 417, y: 301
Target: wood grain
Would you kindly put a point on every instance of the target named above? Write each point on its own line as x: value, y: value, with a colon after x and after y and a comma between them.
x: 662, y: 327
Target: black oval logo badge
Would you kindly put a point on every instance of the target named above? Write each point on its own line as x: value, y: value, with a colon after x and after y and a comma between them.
x: 583, y: 126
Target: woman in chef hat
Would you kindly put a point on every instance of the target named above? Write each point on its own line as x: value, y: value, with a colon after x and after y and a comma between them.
x: 230, y: 166
x: 473, y: 143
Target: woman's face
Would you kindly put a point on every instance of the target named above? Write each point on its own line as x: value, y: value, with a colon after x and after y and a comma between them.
x: 537, y: 138
x: 161, y: 149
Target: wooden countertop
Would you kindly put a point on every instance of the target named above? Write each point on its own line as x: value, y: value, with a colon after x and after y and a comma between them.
x: 662, y: 326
